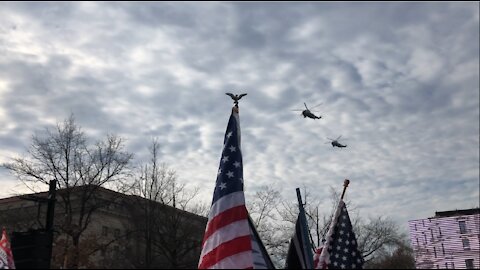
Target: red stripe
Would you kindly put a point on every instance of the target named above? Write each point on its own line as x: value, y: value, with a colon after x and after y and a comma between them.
x: 225, y: 250
x: 223, y: 219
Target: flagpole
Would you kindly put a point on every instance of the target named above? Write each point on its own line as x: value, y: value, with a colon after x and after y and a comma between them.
x: 345, y: 185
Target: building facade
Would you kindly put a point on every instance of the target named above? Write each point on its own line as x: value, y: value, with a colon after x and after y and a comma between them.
x: 117, y: 230
x: 449, y: 240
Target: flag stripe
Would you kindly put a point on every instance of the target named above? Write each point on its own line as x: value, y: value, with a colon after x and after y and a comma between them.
x: 227, y: 249
x: 229, y: 216
x: 237, y: 261
x: 226, y: 202
x: 227, y: 233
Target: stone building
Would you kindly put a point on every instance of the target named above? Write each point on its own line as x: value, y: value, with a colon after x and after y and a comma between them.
x: 449, y: 240
x: 117, y: 231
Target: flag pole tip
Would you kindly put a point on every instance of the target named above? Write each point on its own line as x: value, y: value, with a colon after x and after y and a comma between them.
x: 235, y: 109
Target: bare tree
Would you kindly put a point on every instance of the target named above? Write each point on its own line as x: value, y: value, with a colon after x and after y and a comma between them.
x: 80, y: 170
x: 396, y: 256
x: 375, y: 235
x: 171, y: 235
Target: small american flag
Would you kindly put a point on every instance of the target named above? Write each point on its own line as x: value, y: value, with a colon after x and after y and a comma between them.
x: 340, y: 250
x: 227, y: 241
x: 6, y: 256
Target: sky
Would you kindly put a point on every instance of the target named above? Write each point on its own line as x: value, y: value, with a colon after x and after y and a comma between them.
x: 399, y: 81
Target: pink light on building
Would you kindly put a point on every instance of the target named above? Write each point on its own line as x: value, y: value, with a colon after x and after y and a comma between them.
x: 450, y: 239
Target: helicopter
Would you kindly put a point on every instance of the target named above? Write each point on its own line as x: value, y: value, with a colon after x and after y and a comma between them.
x: 307, y: 113
x: 335, y: 142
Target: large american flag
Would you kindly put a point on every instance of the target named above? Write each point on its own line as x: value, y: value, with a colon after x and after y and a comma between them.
x: 227, y: 241
x: 340, y: 250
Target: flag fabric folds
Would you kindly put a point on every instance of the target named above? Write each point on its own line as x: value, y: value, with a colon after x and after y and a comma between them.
x: 6, y: 256
x: 316, y: 257
x: 227, y: 243
x: 340, y: 250
x: 261, y: 259
x: 299, y: 256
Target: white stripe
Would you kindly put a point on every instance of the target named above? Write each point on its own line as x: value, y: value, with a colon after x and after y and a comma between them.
x: 237, y: 261
x: 227, y: 233
x: 225, y: 203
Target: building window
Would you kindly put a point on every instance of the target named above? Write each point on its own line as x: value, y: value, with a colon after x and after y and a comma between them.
x: 466, y: 244
x: 104, y: 230
x: 435, y: 251
x: 453, y: 265
x: 469, y: 263
x: 446, y: 265
x: 415, y: 226
x: 463, y: 226
x: 440, y: 231
x: 443, y: 250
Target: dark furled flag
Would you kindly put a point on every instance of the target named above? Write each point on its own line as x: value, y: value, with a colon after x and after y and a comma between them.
x: 340, y: 250
x: 227, y: 243
x: 300, y: 250
x: 261, y: 259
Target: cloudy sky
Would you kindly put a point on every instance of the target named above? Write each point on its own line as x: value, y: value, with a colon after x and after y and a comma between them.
x: 399, y: 81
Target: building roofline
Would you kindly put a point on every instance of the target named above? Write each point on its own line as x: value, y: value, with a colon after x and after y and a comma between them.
x: 452, y: 213
x: 99, y: 189
x: 458, y: 212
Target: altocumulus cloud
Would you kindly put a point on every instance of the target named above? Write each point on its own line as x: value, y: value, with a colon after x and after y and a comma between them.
x: 399, y: 81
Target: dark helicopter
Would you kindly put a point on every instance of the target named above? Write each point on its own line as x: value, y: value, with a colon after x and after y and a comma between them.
x: 335, y: 142
x: 307, y: 113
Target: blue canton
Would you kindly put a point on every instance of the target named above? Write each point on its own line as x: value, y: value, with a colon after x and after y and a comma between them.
x: 343, y: 249
x: 230, y: 172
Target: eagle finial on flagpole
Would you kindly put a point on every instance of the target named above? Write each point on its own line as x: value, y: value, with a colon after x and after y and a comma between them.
x: 235, y: 98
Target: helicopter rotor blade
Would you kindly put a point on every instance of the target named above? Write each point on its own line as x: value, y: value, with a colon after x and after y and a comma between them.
x: 316, y: 105
x: 297, y: 110
x: 338, y: 138
x: 330, y: 139
x: 305, y: 105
